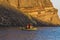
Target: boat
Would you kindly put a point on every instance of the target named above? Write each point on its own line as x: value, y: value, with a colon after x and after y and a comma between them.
x: 28, y: 27
x: 32, y: 29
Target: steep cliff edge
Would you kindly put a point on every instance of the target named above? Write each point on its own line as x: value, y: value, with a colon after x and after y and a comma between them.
x: 41, y: 10
x: 34, y: 10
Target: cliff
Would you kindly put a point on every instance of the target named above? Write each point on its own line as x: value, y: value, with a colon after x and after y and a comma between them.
x: 36, y: 10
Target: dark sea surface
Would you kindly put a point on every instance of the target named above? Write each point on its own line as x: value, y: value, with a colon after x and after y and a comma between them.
x: 43, y: 33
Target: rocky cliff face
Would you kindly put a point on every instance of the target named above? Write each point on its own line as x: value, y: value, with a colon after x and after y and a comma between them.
x: 41, y: 10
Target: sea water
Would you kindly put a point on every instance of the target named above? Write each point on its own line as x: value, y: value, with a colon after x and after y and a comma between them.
x: 45, y: 33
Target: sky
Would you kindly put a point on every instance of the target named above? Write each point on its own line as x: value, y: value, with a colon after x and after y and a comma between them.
x: 56, y: 4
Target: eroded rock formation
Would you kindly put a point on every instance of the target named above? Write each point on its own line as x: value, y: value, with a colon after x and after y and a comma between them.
x: 41, y: 10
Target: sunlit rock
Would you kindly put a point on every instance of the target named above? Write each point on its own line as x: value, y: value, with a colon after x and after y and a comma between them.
x: 41, y: 10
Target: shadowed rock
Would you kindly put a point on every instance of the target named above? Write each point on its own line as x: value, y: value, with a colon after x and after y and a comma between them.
x: 36, y: 13
x: 11, y: 17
